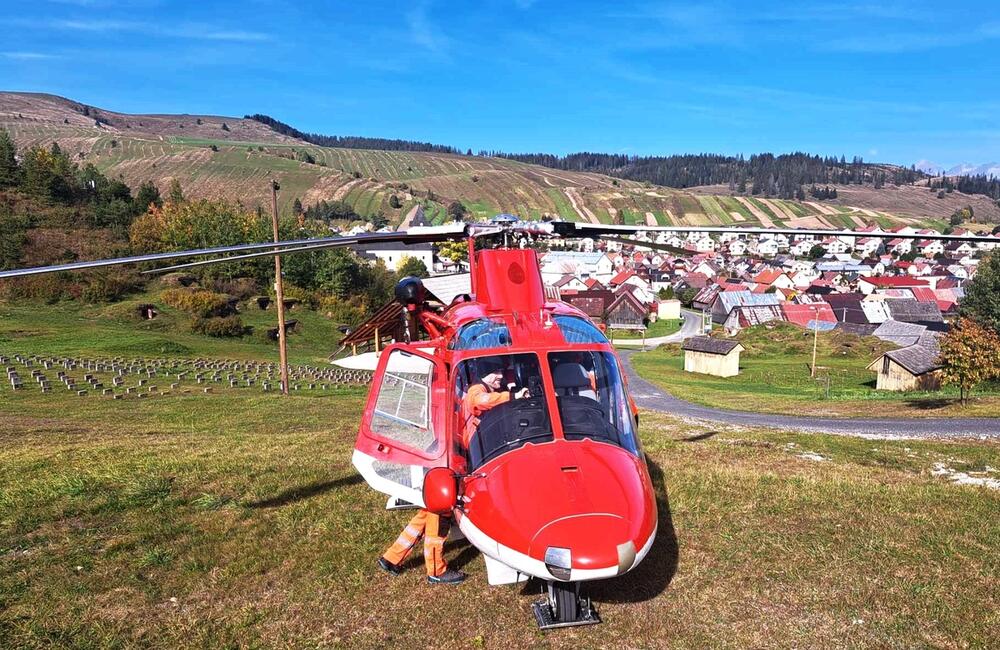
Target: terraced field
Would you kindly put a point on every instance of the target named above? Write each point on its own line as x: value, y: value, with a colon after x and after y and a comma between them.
x: 238, y: 161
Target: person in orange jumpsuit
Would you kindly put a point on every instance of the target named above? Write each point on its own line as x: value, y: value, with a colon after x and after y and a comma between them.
x: 484, y: 395
x: 433, y: 530
x: 481, y: 397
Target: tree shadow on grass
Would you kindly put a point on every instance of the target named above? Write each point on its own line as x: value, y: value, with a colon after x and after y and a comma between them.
x: 697, y: 438
x: 305, y: 491
x: 930, y: 403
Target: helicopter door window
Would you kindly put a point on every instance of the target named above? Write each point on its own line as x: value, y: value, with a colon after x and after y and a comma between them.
x: 591, y: 397
x: 402, y: 410
x: 482, y: 334
x: 500, y: 407
x: 577, y: 330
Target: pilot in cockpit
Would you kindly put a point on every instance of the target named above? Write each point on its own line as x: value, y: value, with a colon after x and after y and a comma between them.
x: 485, y: 394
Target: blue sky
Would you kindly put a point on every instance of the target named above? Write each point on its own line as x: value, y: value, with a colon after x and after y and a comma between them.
x: 893, y: 82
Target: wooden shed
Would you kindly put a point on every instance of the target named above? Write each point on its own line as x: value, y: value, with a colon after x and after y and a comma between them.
x: 911, y: 368
x: 708, y: 356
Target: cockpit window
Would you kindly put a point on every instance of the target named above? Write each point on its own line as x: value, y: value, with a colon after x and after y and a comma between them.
x: 482, y: 334
x: 591, y: 398
x: 500, y: 406
x: 578, y: 330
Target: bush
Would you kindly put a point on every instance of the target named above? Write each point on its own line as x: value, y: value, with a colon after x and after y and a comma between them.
x: 351, y: 312
x: 111, y: 287
x: 242, y: 288
x: 227, y: 326
x: 199, y: 302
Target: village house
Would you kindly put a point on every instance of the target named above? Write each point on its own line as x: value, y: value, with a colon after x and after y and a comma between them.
x: 868, y: 285
x: 711, y: 356
x: 900, y: 246
x: 765, y: 247
x: 910, y: 368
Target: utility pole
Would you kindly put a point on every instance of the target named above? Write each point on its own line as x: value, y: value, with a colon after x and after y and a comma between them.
x: 812, y: 372
x: 280, y: 292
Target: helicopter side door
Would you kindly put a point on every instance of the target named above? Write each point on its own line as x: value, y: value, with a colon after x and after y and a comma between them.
x: 402, y: 430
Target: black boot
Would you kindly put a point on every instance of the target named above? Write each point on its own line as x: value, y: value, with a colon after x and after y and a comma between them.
x: 388, y: 566
x: 449, y: 577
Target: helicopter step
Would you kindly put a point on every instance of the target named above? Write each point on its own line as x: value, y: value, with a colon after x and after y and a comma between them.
x: 563, y: 606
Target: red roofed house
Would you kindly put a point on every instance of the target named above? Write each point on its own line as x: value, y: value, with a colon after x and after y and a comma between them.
x: 868, y: 285
x: 802, y: 314
x: 593, y: 283
x: 775, y: 278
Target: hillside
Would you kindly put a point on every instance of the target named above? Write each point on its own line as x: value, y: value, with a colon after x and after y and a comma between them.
x: 233, y: 158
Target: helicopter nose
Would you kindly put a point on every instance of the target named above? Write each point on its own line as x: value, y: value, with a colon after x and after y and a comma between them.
x: 587, y: 541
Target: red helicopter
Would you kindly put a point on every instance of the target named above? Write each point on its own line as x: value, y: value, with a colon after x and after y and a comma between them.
x: 551, y: 484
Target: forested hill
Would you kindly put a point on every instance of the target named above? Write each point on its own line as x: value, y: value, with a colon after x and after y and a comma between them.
x: 349, y: 141
x: 783, y: 176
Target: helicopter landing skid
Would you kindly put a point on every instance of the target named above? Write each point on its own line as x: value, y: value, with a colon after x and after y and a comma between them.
x: 587, y: 615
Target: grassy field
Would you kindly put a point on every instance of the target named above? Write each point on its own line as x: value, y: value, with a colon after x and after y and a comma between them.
x: 662, y: 327
x: 238, y: 164
x: 235, y: 520
x: 774, y: 378
x: 72, y: 328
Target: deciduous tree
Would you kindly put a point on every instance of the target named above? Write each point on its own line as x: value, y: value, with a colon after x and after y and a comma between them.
x: 411, y: 266
x: 982, y: 294
x: 970, y: 355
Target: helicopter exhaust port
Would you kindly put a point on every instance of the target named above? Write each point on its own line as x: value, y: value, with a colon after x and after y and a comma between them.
x: 563, y: 606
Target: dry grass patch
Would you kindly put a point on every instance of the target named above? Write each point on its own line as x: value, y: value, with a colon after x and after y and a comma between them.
x: 236, y: 520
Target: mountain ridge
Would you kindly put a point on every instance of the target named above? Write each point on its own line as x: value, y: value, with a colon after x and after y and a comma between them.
x: 235, y: 158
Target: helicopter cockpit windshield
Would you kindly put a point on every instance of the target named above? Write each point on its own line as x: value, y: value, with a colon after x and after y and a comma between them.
x: 591, y: 398
x: 500, y: 405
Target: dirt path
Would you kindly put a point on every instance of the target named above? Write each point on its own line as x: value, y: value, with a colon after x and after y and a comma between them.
x: 649, y: 396
x: 755, y: 211
x: 577, y: 201
x: 737, y: 216
x: 814, y: 221
x: 858, y: 221
x: 823, y: 209
x: 342, y: 191
x: 779, y: 209
x: 410, y: 216
x: 651, y: 221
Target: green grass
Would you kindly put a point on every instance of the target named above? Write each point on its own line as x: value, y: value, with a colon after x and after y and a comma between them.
x: 71, y: 328
x: 563, y: 207
x: 774, y: 378
x: 729, y: 204
x: 662, y: 327
x: 236, y: 520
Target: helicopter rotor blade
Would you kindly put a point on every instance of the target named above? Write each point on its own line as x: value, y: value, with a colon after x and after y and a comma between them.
x: 680, y: 252
x: 247, y: 256
x: 577, y: 229
x: 413, y: 236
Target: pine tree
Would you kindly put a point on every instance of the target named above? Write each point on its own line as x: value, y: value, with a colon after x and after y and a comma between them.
x: 175, y: 195
x: 8, y: 160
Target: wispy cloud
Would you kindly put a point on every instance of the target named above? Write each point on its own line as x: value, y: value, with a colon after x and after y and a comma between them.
x: 914, y: 41
x: 28, y: 56
x: 422, y: 32
x: 193, y: 31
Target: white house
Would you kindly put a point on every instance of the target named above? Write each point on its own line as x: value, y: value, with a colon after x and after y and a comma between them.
x: 802, y: 247
x: 930, y: 247
x: 900, y: 246
x: 737, y: 248
x: 766, y: 247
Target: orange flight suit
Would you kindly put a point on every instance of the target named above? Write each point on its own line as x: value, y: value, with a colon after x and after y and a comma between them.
x: 477, y: 401
x: 424, y: 524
